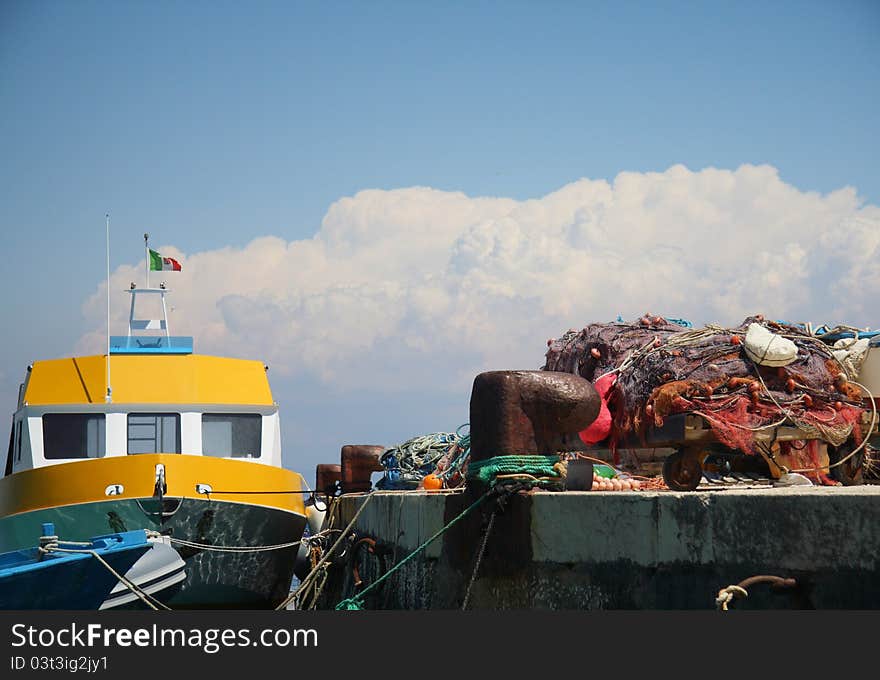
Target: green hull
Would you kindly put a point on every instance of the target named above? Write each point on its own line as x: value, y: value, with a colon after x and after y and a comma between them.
x: 214, y: 579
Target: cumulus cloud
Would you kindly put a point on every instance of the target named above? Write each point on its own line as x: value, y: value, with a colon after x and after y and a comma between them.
x: 419, y: 285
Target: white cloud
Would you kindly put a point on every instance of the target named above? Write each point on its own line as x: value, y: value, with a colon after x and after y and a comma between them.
x: 416, y: 284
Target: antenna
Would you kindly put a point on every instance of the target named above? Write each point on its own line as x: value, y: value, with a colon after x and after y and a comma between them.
x: 109, y: 397
x: 147, y: 258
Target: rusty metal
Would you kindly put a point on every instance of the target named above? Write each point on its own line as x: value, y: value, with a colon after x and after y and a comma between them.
x: 683, y: 470
x: 356, y: 575
x: 327, y: 478
x: 358, y: 462
x: 774, y: 581
x: 730, y: 593
x: 529, y: 412
x: 852, y: 471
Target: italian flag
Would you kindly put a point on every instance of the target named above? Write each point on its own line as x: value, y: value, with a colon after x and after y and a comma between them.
x: 163, y: 264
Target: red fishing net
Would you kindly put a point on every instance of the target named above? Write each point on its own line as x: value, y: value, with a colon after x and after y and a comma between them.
x: 663, y: 368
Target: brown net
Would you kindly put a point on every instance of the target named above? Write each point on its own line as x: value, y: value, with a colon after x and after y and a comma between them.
x: 665, y: 369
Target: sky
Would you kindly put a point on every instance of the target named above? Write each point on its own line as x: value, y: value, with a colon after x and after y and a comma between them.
x: 382, y: 200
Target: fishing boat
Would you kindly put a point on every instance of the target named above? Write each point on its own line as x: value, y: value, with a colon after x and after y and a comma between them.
x: 152, y: 436
x: 106, y: 572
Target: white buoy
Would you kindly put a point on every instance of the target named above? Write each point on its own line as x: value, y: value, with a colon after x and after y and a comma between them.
x: 315, y: 518
x: 768, y: 349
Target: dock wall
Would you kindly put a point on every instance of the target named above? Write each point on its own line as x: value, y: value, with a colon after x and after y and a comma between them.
x: 616, y: 550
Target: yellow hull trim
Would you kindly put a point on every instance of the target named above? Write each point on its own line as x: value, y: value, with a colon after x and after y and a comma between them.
x: 87, y: 481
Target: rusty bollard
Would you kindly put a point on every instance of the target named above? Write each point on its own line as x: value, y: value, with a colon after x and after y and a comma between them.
x: 327, y: 478
x: 359, y: 461
x: 524, y: 413
x: 528, y: 412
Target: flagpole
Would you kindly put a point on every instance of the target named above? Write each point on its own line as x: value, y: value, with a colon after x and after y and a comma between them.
x: 109, y: 396
x: 147, y: 259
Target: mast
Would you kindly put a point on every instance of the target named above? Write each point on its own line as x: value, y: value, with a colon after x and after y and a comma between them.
x: 139, y: 340
x: 109, y: 396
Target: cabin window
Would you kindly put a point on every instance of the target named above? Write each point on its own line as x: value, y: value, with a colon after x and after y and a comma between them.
x: 18, y: 441
x: 73, y: 435
x: 153, y: 433
x: 231, y: 435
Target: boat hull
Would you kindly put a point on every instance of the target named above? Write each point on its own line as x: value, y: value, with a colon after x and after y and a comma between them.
x: 254, y: 506
x: 214, y: 579
x: 86, y: 582
x: 62, y: 575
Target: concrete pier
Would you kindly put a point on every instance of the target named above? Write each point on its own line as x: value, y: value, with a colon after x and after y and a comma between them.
x: 617, y: 550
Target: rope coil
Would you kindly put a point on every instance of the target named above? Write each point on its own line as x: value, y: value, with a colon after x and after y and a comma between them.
x: 488, y: 470
x: 726, y: 595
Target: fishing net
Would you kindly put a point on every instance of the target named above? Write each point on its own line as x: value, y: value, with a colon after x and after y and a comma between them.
x: 663, y: 368
x: 806, y: 456
x: 407, y: 464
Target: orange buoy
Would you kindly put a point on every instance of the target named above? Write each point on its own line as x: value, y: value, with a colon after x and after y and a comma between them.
x: 432, y: 482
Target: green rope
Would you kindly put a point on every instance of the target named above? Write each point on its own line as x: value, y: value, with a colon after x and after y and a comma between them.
x: 485, y: 471
x: 355, y: 602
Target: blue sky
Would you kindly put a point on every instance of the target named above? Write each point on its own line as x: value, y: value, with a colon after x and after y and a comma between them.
x: 210, y: 124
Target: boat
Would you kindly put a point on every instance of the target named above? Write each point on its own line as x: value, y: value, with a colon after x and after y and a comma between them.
x: 59, y: 574
x: 152, y: 435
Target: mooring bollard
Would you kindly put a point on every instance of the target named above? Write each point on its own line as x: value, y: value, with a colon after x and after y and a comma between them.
x: 359, y: 461
x: 327, y: 478
x: 528, y: 412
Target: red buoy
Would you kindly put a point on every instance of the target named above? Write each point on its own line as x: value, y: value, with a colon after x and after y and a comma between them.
x: 599, y: 428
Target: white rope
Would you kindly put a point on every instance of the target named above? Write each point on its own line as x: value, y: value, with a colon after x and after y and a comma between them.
x: 769, y: 426
x: 864, y: 438
x: 243, y: 548
x: 54, y: 540
x: 234, y: 548
x: 726, y: 595
x: 312, y: 575
x: 148, y: 599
